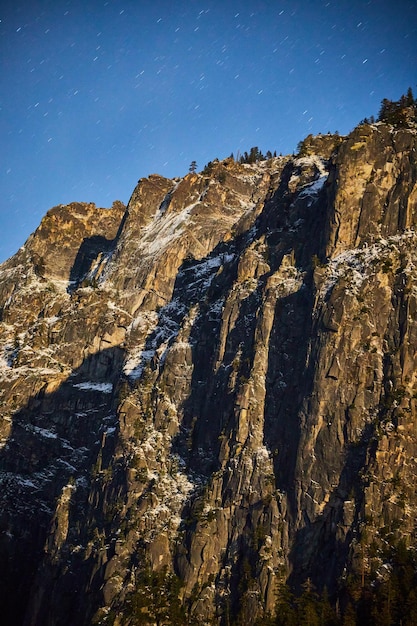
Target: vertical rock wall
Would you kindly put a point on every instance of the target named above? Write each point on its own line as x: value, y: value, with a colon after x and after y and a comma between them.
x: 213, y: 391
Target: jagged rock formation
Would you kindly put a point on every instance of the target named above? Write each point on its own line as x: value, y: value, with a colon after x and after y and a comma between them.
x: 213, y: 390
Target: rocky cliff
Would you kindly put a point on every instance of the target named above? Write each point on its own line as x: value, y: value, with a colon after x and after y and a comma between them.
x: 209, y: 397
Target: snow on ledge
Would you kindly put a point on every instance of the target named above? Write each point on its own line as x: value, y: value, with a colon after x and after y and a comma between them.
x: 91, y: 386
x: 313, y: 188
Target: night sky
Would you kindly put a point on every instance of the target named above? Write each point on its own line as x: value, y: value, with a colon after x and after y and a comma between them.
x: 97, y: 94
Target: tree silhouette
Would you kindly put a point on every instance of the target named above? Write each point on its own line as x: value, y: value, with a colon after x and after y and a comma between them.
x: 399, y: 112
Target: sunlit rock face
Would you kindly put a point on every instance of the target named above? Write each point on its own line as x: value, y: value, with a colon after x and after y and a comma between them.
x: 213, y: 390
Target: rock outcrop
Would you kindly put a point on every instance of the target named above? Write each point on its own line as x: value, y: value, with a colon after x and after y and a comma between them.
x: 213, y: 391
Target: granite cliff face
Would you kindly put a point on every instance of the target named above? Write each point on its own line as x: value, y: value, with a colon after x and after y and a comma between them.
x: 212, y: 391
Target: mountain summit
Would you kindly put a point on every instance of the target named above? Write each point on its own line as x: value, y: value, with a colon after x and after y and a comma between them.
x: 209, y: 397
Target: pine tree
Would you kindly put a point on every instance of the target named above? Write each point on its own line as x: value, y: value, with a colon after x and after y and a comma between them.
x: 193, y: 166
x: 410, y: 98
x: 307, y: 605
x: 349, y: 615
x: 286, y: 612
x: 384, y: 110
x: 410, y: 609
x: 399, y: 113
x: 156, y: 599
x: 326, y: 612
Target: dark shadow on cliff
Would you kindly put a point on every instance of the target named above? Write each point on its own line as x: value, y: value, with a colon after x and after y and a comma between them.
x: 89, y: 252
x: 298, y: 229
x: 288, y: 383
x: 321, y: 549
x: 57, y: 446
x: 92, y: 252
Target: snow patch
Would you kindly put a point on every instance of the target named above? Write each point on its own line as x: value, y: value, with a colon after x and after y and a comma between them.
x: 312, y: 189
x: 42, y: 432
x: 360, y: 261
x: 163, y: 230
x: 92, y: 386
x: 132, y: 368
x: 8, y: 356
x: 312, y: 160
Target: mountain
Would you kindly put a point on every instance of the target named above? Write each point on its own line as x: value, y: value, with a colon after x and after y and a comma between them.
x: 209, y: 397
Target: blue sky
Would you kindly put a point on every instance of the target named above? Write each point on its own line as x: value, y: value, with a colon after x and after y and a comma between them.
x: 97, y: 94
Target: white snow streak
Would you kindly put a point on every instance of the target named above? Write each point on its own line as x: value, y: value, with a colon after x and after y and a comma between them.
x: 91, y: 386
